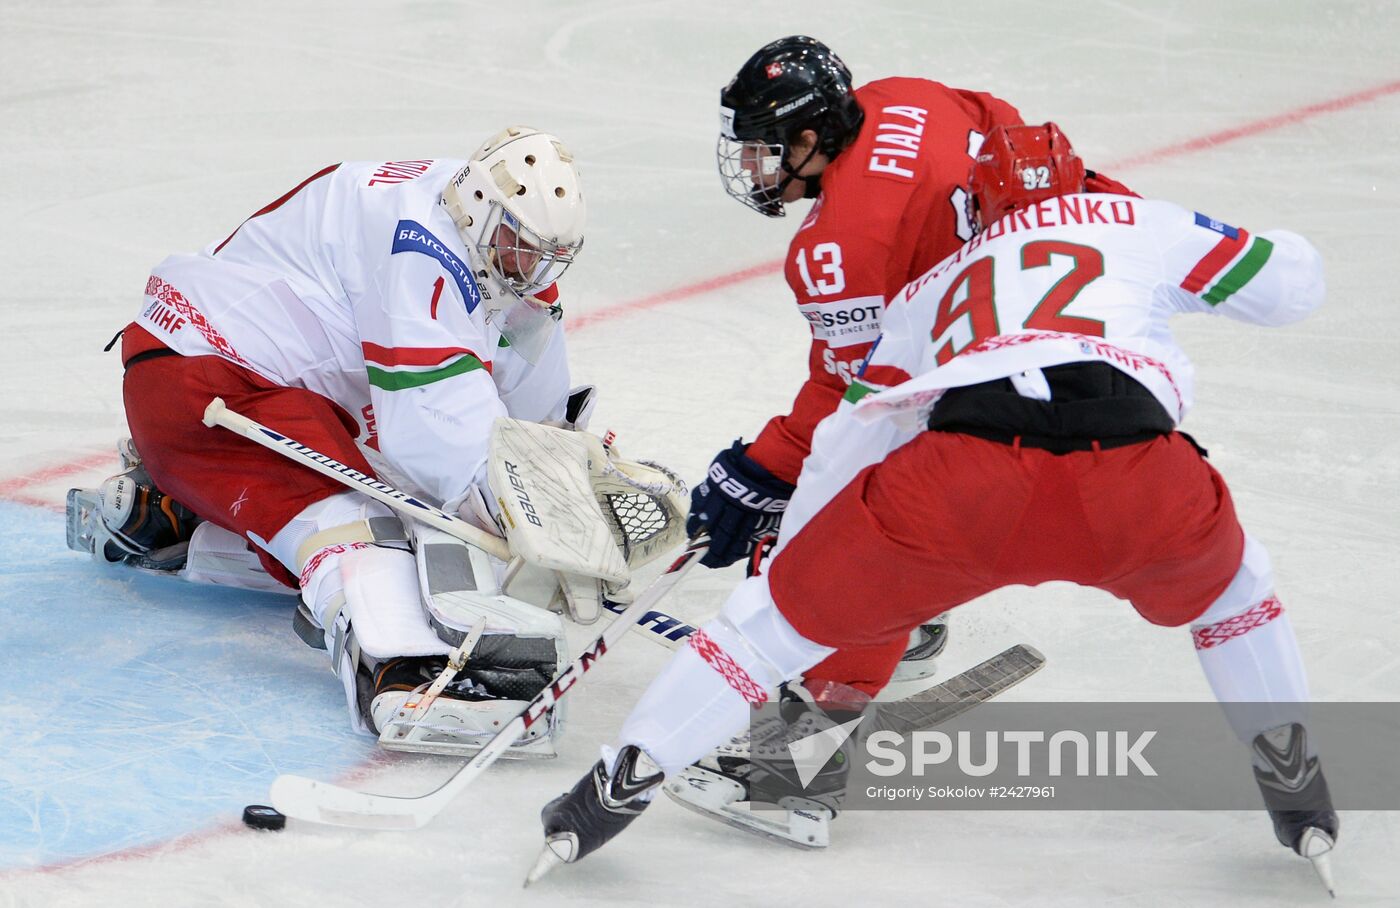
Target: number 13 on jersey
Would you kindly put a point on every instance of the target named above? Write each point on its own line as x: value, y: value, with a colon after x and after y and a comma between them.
x: 826, y: 263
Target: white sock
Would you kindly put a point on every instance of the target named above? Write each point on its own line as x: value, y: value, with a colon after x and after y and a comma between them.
x: 1249, y: 653
x: 705, y: 693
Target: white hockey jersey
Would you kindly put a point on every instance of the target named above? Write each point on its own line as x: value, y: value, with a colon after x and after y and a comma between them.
x: 1088, y: 277
x: 356, y: 285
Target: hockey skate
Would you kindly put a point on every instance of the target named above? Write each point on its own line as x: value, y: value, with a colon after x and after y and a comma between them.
x: 469, y: 709
x: 129, y: 521
x: 595, y: 810
x: 718, y: 786
x: 1295, y: 792
x: 926, y: 643
x: 721, y: 785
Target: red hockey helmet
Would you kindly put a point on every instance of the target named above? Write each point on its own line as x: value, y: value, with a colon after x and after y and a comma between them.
x: 1019, y: 166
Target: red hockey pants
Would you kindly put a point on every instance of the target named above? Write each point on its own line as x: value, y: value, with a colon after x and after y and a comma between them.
x: 950, y: 517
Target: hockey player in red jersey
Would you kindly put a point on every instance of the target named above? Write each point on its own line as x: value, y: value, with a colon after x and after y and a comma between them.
x: 887, y: 165
x: 1016, y: 424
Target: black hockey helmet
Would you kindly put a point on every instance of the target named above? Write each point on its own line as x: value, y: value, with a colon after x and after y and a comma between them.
x: 793, y: 84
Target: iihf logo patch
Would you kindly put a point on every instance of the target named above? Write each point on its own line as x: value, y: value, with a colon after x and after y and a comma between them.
x: 1219, y: 227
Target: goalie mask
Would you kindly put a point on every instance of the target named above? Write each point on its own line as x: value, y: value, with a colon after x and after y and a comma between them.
x: 1019, y: 166
x: 520, y: 211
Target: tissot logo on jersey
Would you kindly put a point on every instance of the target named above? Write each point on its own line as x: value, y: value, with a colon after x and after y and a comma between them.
x: 846, y: 322
x: 411, y: 236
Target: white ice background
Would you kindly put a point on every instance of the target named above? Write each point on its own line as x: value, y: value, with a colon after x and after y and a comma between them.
x: 136, y: 716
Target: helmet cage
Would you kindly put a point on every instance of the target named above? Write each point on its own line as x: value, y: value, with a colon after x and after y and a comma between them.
x: 519, y: 257
x: 752, y: 172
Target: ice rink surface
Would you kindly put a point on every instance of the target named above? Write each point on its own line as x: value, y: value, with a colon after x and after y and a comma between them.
x: 137, y: 716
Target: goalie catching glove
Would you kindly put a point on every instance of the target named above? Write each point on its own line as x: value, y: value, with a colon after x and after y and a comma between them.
x: 738, y: 503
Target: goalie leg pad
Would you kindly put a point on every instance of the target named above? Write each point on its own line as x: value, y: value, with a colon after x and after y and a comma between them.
x: 382, y: 603
x: 519, y: 652
x: 522, y: 645
x: 221, y: 558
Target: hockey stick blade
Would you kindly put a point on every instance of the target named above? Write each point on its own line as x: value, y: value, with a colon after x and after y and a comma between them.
x: 322, y: 802
x: 966, y: 690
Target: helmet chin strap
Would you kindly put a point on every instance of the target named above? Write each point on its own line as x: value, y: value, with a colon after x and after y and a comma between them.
x: 812, y: 186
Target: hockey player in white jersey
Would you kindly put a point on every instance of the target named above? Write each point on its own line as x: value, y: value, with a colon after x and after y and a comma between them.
x: 385, y: 314
x: 1016, y: 424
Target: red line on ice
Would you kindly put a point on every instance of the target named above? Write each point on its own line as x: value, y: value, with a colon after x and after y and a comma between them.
x: 14, y: 489
x: 1255, y: 127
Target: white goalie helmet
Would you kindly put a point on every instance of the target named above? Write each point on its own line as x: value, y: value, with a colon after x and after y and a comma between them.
x: 520, y: 211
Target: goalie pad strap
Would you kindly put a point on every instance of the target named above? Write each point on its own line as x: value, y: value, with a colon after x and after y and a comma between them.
x: 375, y: 529
x: 314, y: 564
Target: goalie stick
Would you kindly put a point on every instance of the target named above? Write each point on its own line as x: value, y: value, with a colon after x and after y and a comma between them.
x: 218, y: 414
x: 660, y: 627
x: 321, y: 802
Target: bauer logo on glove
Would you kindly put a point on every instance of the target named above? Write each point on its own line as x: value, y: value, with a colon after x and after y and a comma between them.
x: 737, y: 491
x: 739, y: 503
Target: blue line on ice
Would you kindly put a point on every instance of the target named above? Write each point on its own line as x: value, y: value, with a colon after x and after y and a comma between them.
x: 136, y: 708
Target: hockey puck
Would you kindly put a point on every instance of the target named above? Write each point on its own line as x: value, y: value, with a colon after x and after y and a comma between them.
x: 258, y: 816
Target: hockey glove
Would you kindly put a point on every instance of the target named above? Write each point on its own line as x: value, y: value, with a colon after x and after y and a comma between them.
x: 738, y: 503
x: 578, y: 409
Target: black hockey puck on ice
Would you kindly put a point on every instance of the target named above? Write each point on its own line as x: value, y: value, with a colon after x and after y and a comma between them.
x: 258, y: 816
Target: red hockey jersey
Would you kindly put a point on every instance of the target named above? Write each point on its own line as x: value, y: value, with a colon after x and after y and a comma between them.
x: 893, y: 204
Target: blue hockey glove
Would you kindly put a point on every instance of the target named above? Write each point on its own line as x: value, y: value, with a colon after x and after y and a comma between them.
x: 738, y: 503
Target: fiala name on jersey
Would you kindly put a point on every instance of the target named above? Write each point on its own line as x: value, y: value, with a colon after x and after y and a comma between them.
x: 845, y: 323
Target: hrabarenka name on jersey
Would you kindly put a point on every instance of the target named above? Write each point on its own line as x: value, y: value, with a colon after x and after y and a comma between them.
x: 1057, y: 212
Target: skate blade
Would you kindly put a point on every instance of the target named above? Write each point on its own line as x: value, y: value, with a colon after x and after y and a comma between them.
x: 81, y: 512
x: 550, y: 858
x: 1316, y: 846
x: 712, y: 795
x: 449, y: 727
x: 420, y: 740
